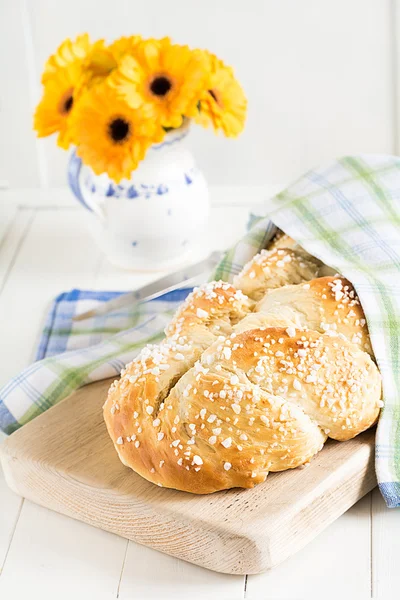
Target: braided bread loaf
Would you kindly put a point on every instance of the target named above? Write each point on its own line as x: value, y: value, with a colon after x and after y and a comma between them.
x: 247, y: 384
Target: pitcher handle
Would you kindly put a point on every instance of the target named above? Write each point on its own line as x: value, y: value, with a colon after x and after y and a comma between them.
x: 74, y: 171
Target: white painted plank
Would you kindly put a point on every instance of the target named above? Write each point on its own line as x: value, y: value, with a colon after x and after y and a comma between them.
x: 385, y: 550
x: 49, y: 198
x: 53, y: 556
x: 10, y: 505
x: 55, y: 256
x: 310, y: 70
x: 25, y: 257
x: 7, y: 215
x: 335, y: 565
x: 62, y: 197
x: 18, y: 165
x: 150, y: 574
x: 13, y: 237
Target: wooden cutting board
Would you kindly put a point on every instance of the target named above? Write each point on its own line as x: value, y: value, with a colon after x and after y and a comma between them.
x: 65, y: 461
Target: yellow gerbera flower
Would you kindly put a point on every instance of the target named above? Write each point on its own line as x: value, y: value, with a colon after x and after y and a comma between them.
x: 223, y: 103
x: 67, y: 53
x: 110, y: 136
x: 53, y: 111
x: 61, y: 78
x: 168, y: 78
x: 124, y: 45
x: 103, y: 59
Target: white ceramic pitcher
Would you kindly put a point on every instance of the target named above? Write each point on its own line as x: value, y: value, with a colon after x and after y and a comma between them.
x: 151, y: 221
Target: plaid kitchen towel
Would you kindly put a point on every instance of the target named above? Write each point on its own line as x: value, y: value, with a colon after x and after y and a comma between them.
x: 347, y: 214
x: 62, y: 334
x: 73, y: 353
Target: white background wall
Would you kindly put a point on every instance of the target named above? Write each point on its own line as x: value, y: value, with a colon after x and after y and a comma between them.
x: 321, y: 78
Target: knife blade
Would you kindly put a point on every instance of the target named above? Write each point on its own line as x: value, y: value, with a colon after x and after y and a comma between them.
x: 165, y: 284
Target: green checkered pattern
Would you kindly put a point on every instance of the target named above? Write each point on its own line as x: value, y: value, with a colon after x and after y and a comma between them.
x: 347, y: 214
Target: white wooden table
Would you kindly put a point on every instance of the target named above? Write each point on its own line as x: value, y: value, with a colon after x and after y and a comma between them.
x: 44, y: 249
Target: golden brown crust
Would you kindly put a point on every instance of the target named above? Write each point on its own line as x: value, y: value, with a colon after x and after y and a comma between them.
x: 272, y: 269
x: 261, y: 401
x: 238, y: 389
x: 209, y: 311
x: 327, y: 305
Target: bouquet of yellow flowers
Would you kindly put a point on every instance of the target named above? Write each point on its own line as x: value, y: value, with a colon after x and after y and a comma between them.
x: 114, y: 101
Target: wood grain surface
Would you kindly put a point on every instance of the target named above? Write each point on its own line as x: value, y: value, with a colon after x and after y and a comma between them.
x: 65, y: 461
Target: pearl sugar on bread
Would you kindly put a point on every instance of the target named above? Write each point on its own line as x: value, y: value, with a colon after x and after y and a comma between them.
x: 251, y: 378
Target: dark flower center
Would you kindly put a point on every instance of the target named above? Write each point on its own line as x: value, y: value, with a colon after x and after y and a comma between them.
x: 160, y: 86
x: 66, y: 101
x: 68, y: 104
x: 119, y: 130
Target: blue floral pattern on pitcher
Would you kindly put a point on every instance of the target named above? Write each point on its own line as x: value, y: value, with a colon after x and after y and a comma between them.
x: 136, y: 191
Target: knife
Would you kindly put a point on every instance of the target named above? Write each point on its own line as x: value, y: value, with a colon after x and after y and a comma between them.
x: 157, y: 288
